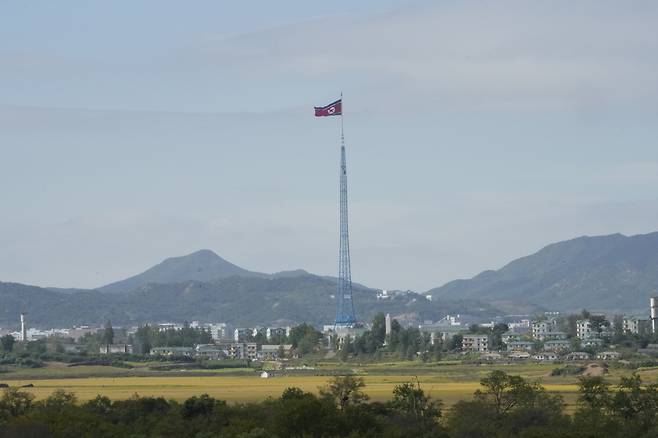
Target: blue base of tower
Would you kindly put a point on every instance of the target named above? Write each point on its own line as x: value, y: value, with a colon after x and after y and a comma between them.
x: 345, y: 320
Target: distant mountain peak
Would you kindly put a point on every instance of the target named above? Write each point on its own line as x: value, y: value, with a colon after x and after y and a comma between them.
x: 201, y: 265
x: 203, y: 253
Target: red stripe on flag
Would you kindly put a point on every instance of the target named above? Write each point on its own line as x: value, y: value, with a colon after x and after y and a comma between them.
x: 333, y: 109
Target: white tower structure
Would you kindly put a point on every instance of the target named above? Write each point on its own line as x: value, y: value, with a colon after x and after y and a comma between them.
x: 653, y: 303
x: 388, y: 324
x: 23, y: 327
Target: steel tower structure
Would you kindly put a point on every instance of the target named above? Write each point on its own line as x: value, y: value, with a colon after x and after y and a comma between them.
x: 345, y: 305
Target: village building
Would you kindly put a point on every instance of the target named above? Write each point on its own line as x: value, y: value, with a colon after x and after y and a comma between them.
x: 635, y: 326
x: 210, y: 352
x: 273, y: 352
x: 578, y: 355
x: 545, y: 356
x: 480, y: 343
x: 520, y: 346
x: 541, y: 328
x: 592, y: 342
x: 608, y: 355
x: 172, y: 351
x: 584, y: 329
x: 518, y: 355
x: 277, y: 332
x: 116, y: 349
x: 557, y: 345
x: 510, y: 336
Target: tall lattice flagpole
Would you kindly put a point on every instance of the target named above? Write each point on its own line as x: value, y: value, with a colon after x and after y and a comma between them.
x: 345, y: 305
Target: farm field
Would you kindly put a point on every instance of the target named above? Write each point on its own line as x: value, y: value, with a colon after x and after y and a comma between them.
x: 247, y: 388
x: 448, y: 381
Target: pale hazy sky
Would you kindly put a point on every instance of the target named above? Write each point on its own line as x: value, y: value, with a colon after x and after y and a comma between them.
x: 477, y: 132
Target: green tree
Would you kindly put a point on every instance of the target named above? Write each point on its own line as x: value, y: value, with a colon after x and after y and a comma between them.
x: 394, y: 337
x: 598, y: 322
x: 505, y: 406
x: 497, y: 335
x: 346, y: 348
x: 618, y: 328
x: 58, y: 401
x: 101, y: 405
x: 456, y: 342
x: 143, y: 339
x: 345, y: 391
x: 7, y: 342
x: 14, y: 403
x: 108, y: 333
x: 304, y: 338
x: 205, y: 337
x: 594, y: 393
x: 379, y: 328
x: 410, y: 399
x: 201, y: 406
x: 302, y: 414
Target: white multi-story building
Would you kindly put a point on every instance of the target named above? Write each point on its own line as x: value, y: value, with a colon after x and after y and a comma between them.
x: 508, y: 337
x: 219, y: 331
x: 541, y: 328
x: 635, y: 325
x: 584, y: 329
x: 242, y: 350
x: 276, y: 332
x: 479, y: 343
x: 522, y: 326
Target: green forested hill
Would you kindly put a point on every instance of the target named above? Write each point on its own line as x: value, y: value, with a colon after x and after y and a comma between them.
x: 607, y: 273
x: 236, y: 300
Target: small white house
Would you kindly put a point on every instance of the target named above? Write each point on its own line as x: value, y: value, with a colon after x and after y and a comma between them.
x: 608, y: 355
x: 265, y: 375
x: 578, y: 355
x: 545, y: 356
x: 592, y: 342
x: 518, y: 355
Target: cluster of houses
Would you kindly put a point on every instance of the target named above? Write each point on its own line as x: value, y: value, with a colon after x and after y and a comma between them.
x: 227, y: 344
x: 550, y: 356
x: 543, y: 341
x: 34, y: 334
x: 232, y: 350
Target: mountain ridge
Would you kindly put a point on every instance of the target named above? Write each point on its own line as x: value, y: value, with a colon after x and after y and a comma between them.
x: 239, y: 301
x: 599, y: 272
x: 612, y: 273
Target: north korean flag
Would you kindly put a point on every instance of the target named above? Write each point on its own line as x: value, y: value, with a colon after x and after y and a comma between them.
x: 333, y: 109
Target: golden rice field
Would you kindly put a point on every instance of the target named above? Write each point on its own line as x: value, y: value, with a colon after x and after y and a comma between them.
x: 449, y: 382
x: 246, y: 388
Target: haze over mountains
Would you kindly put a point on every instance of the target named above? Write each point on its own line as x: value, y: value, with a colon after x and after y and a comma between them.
x: 612, y: 273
